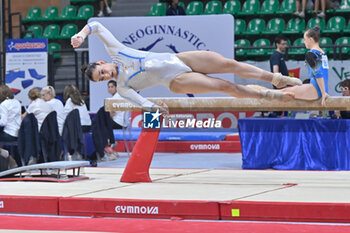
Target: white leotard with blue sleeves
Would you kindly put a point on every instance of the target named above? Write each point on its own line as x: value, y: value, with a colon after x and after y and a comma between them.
x: 137, y: 69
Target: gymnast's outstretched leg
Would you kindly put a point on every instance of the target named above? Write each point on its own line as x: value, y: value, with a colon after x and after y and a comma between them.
x: 303, y: 92
x: 198, y: 83
x: 208, y: 62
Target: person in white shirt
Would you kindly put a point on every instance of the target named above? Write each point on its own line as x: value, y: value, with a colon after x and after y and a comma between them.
x: 73, y: 100
x: 120, y: 118
x: 38, y: 106
x: 10, y: 114
x: 48, y: 93
x: 184, y: 72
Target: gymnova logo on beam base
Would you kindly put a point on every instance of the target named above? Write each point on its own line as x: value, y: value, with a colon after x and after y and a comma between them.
x: 152, y: 120
x: 122, y: 209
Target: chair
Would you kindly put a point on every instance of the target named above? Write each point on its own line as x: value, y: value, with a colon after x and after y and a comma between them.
x: 158, y: 9
x: 72, y: 134
x: 239, y: 26
x: 232, y: 7
x: 213, y: 7
x: 34, y: 14
x: 250, y: 7
x: 343, y: 8
x: 326, y: 41
x: 68, y: 31
x: 28, y: 139
x: 52, y: 48
x: 274, y: 26
x: 316, y: 21
x: 255, y: 27
x: 287, y: 7
x: 241, y: 43
x: 85, y: 12
x: 182, y: 4
x: 298, y: 51
x: 336, y: 24
x: 269, y: 7
x: 68, y: 13
x: 34, y: 74
x: 102, y: 131
x: 343, y: 41
x: 34, y: 31
x: 50, y: 139
x: 295, y: 26
x: 50, y: 14
x: 52, y: 31
x: 259, y: 51
x: 194, y: 8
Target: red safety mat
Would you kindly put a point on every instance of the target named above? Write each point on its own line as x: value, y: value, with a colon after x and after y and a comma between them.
x: 70, y: 224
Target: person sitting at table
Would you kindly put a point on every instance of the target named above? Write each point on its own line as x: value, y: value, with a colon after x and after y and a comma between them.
x: 10, y: 114
x: 48, y: 93
x: 74, y: 100
x: 10, y: 120
x: 38, y: 106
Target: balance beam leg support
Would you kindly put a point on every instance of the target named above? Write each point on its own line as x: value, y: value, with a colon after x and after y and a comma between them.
x: 137, y: 169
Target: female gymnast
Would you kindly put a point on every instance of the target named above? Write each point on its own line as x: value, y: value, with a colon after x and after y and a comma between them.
x: 184, y: 72
x: 317, y: 63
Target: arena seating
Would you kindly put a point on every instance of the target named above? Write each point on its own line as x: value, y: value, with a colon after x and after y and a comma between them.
x: 254, y: 19
x: 55, y: 26
x: 267, y: 18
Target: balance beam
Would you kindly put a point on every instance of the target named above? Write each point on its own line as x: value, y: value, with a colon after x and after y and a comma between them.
x: 232, y: 104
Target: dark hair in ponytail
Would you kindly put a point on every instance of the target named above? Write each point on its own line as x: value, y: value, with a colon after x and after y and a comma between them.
x: 71, y: 91
x: 87, y: 69
x: 314, y: 33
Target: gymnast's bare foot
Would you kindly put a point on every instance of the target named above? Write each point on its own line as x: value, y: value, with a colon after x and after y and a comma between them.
x: 281, y: 96
x: 287, y: 96
x: 280, y: 81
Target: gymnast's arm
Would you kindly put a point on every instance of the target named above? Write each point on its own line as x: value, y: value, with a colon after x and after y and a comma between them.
x: 320, y: 82
x: 110, y: 42
x: 133, y: 97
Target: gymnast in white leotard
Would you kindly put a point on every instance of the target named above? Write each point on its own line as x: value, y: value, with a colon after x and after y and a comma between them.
x: 184, y: 72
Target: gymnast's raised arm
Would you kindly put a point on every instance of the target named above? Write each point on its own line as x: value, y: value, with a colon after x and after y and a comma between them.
x: 111, y: 43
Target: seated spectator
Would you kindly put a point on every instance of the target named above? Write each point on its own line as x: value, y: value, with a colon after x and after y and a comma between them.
x: 104, y: 3
x: 175, y: 9
x: 325, y: 4
x: 48, y: 93
x: 10, y: 119
x: 38, y: 106
x: 74, y: 100
x: 10, y: 114
x: 300, y: 10
x: 345, y: 89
